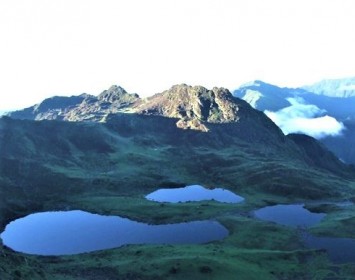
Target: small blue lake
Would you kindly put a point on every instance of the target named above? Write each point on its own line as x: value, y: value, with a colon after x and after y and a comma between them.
x: 340, y: 250
x: 194, y: 193
x: 74, y: 232
x: 294, y: 215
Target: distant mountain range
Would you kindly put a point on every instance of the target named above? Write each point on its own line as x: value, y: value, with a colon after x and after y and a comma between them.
x: 218, y: 118
x: 325, y: 110
x: 333, y: 87
x: 193, y: 107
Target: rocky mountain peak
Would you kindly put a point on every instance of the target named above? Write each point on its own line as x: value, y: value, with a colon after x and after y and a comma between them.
x: 196, y: 107
x: 192, y: 103
x: 116, y: 93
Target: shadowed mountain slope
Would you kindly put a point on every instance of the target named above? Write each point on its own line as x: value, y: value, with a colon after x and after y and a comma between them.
x: 318, y: 156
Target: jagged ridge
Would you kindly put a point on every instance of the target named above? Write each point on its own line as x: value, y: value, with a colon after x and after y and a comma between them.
x: 194, y: 107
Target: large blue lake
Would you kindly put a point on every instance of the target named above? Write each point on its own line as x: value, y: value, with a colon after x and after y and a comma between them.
x: 194, y: 193
x: 73, y: 232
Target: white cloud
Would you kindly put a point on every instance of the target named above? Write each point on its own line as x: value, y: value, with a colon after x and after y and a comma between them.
x: 305, y: 118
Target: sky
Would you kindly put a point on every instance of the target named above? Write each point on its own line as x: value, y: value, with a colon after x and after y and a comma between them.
x: 68, y: 47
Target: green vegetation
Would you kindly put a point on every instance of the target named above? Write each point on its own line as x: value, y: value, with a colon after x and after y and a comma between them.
x: 339, y: 222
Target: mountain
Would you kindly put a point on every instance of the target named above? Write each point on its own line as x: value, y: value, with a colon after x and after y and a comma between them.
x: 197, y: 108
x: 298, y: 110
x: 52, y: 108
x: 211, y: 118
x: 79, y: 108
x: 240, y: 147
x: 104, y: 154
x: 334, y: 87
x: 193, y: 107
x: 343, y: 145
x: 264, y: 96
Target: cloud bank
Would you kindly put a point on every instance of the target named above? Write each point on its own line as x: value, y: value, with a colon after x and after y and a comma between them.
x: 305, y: 118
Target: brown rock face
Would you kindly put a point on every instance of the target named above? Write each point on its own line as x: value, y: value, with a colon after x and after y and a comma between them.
x: 192, y: 103
x: 194, y: 106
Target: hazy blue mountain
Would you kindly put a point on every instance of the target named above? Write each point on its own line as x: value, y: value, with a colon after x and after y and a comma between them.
x: 327, y: 114
x: 342, y: 108
x: 333, y: 87
x: 263, y: 96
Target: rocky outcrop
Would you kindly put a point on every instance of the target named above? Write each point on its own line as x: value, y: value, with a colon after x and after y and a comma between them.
x: 111, y: 101
x: 192, y: 103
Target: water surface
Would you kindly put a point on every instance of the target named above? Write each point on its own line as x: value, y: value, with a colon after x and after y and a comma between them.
x: 294, y: 215
x: 73, y: 232
x: 194, y: 193
x: 340, y: 250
